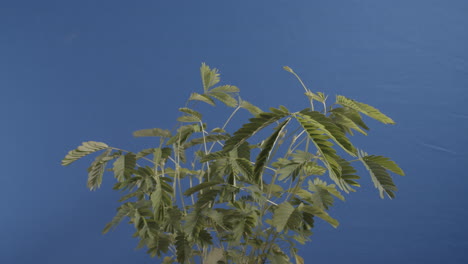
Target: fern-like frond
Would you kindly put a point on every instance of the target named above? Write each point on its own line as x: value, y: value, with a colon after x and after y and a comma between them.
x: 225, y: 89
x: 124, y: 166
x: 86, y: 148
x: 379, y: 175
x: 348, y: 174
x: 152, y: 132
x: 365, y: 109
x: 263, y: 156
x: 225, y: 98
x: 322, y: 194
x: 346, y: 123
x: 201, y: 186
x: 319, y: 212
x: 165, y: 153
x: 331, y: 130
x: 183, y: 248
x: 251, y: 108
x: 320, y: 139
x: 210, y: 77
x: 96, y: 170
x: 124, y: 210
x: 202, y: 97
x: 256, y: 124
x: 281, y: 216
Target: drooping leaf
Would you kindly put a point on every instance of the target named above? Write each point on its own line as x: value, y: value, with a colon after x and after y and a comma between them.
x: 123, y: 211
x: 386, y: 163
x: 86, y: 148
x: 191, y: 112
x: 325, y: 124
x: 204, y: 238
x: 96, y: 170
x: 124, y: 166
x: 317, y: 211
x: 183, y: 248
x: 225, y: 98
x: 256, y: 124
x: 290, y: 169
x: 165, y: 153
x: 152, y: 132
x: 364, y: 108
x: 281, y: 216
x: 379, y: 175
x: 347, y: 123
x: 351, y: 114
x: 348, y: 174
x: 201, y: 97
x: 245, y: 167
x: 251, y: 108
x: 320, y: 140
x: 263, y: 156
x: 200, y: 187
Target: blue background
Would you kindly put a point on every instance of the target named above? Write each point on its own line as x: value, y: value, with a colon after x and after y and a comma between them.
x: 72, y: 71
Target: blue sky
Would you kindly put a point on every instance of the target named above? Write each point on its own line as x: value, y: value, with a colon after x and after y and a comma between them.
x: 72, y: 71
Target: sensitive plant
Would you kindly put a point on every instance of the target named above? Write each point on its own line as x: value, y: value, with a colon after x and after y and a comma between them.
x: 205, y: 195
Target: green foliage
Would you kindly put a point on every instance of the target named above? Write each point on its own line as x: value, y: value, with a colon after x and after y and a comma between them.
x: 199, y: 197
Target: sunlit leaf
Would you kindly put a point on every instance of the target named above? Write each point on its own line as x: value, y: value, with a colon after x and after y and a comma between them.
x: 86, y: 148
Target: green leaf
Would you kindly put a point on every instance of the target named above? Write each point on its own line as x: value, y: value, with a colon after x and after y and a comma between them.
x: 224, y: 98
x: 290, y: 169
x: 322, y: 193
x: 326, y: 124
x: 96, y: 170
x: 249, y: 129
x: 210, y: 77
x: 320, y: 139
x: 124, y: 166
x: 277, y: 256
x: 225, y: 89
x: 281, y: 216
x: 191, y: 112
x: 200, y: 187
x: 188, y: 119
x: 245, y: 167
x: 183, y: 248
x: 351, y: 114
x: 386, y: 163
x: 123, y: 211
x: 348, y: 174
x: 152, y: 132
x: 317, y: 211
x: 263, y: 156
x: 201, y: 97
x: 343, y: 120
x: 299, y: 259
x: 204, y: 238
x: 208, y: 138
x: 86, y: 148
x: 251, y: 108
x: 379, y: 175
x: 364, y: 108
x: 166, y: 152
